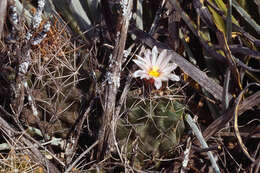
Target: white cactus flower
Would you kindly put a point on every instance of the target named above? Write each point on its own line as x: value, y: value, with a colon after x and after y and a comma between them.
x: 155, y: 68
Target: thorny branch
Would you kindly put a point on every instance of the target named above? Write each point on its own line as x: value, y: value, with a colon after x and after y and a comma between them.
x: 35, y: 152
x: 22, y: 46
x: 109, y: 117
x: 23, y: 50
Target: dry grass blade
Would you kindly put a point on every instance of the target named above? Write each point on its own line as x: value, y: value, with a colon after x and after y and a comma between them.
x: 240, y: 141
x: 229, y: 22
x: 223, y: 38
x: 3, y: 7
x: 230, y: 59
x: 220, y: 122
x: 199, y: 76
x: 186, y: 155
x: 246, y: 16
x: 202, y: 141
x: 249, y: 102
x: 244, y: 51
x: 200, y: 35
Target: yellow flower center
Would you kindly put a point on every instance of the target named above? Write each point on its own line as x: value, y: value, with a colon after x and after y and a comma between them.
x: 154, y: 72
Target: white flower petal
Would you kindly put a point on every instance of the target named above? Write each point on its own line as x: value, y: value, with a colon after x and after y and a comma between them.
x: 147, y: 53
x: 147, y: 57
x: 169, y: 68
x: 164, y: 77
x: 157, y: 83
x: 165, y: 62
x: 141, y: 64
x: 161, y: 57
x: 141, y: 73
x: 155, y: 61
x: 137, y: 73
x: 154, y: 55
x: 144, y: 61
x: 139, y: 57
x: 174, y: 77
x: 145, y: 76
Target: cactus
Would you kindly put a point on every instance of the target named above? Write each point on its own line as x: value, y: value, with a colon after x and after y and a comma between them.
x: 151, y: 128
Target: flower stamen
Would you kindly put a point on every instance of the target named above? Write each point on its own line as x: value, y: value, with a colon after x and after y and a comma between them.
x: 154, y: 72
